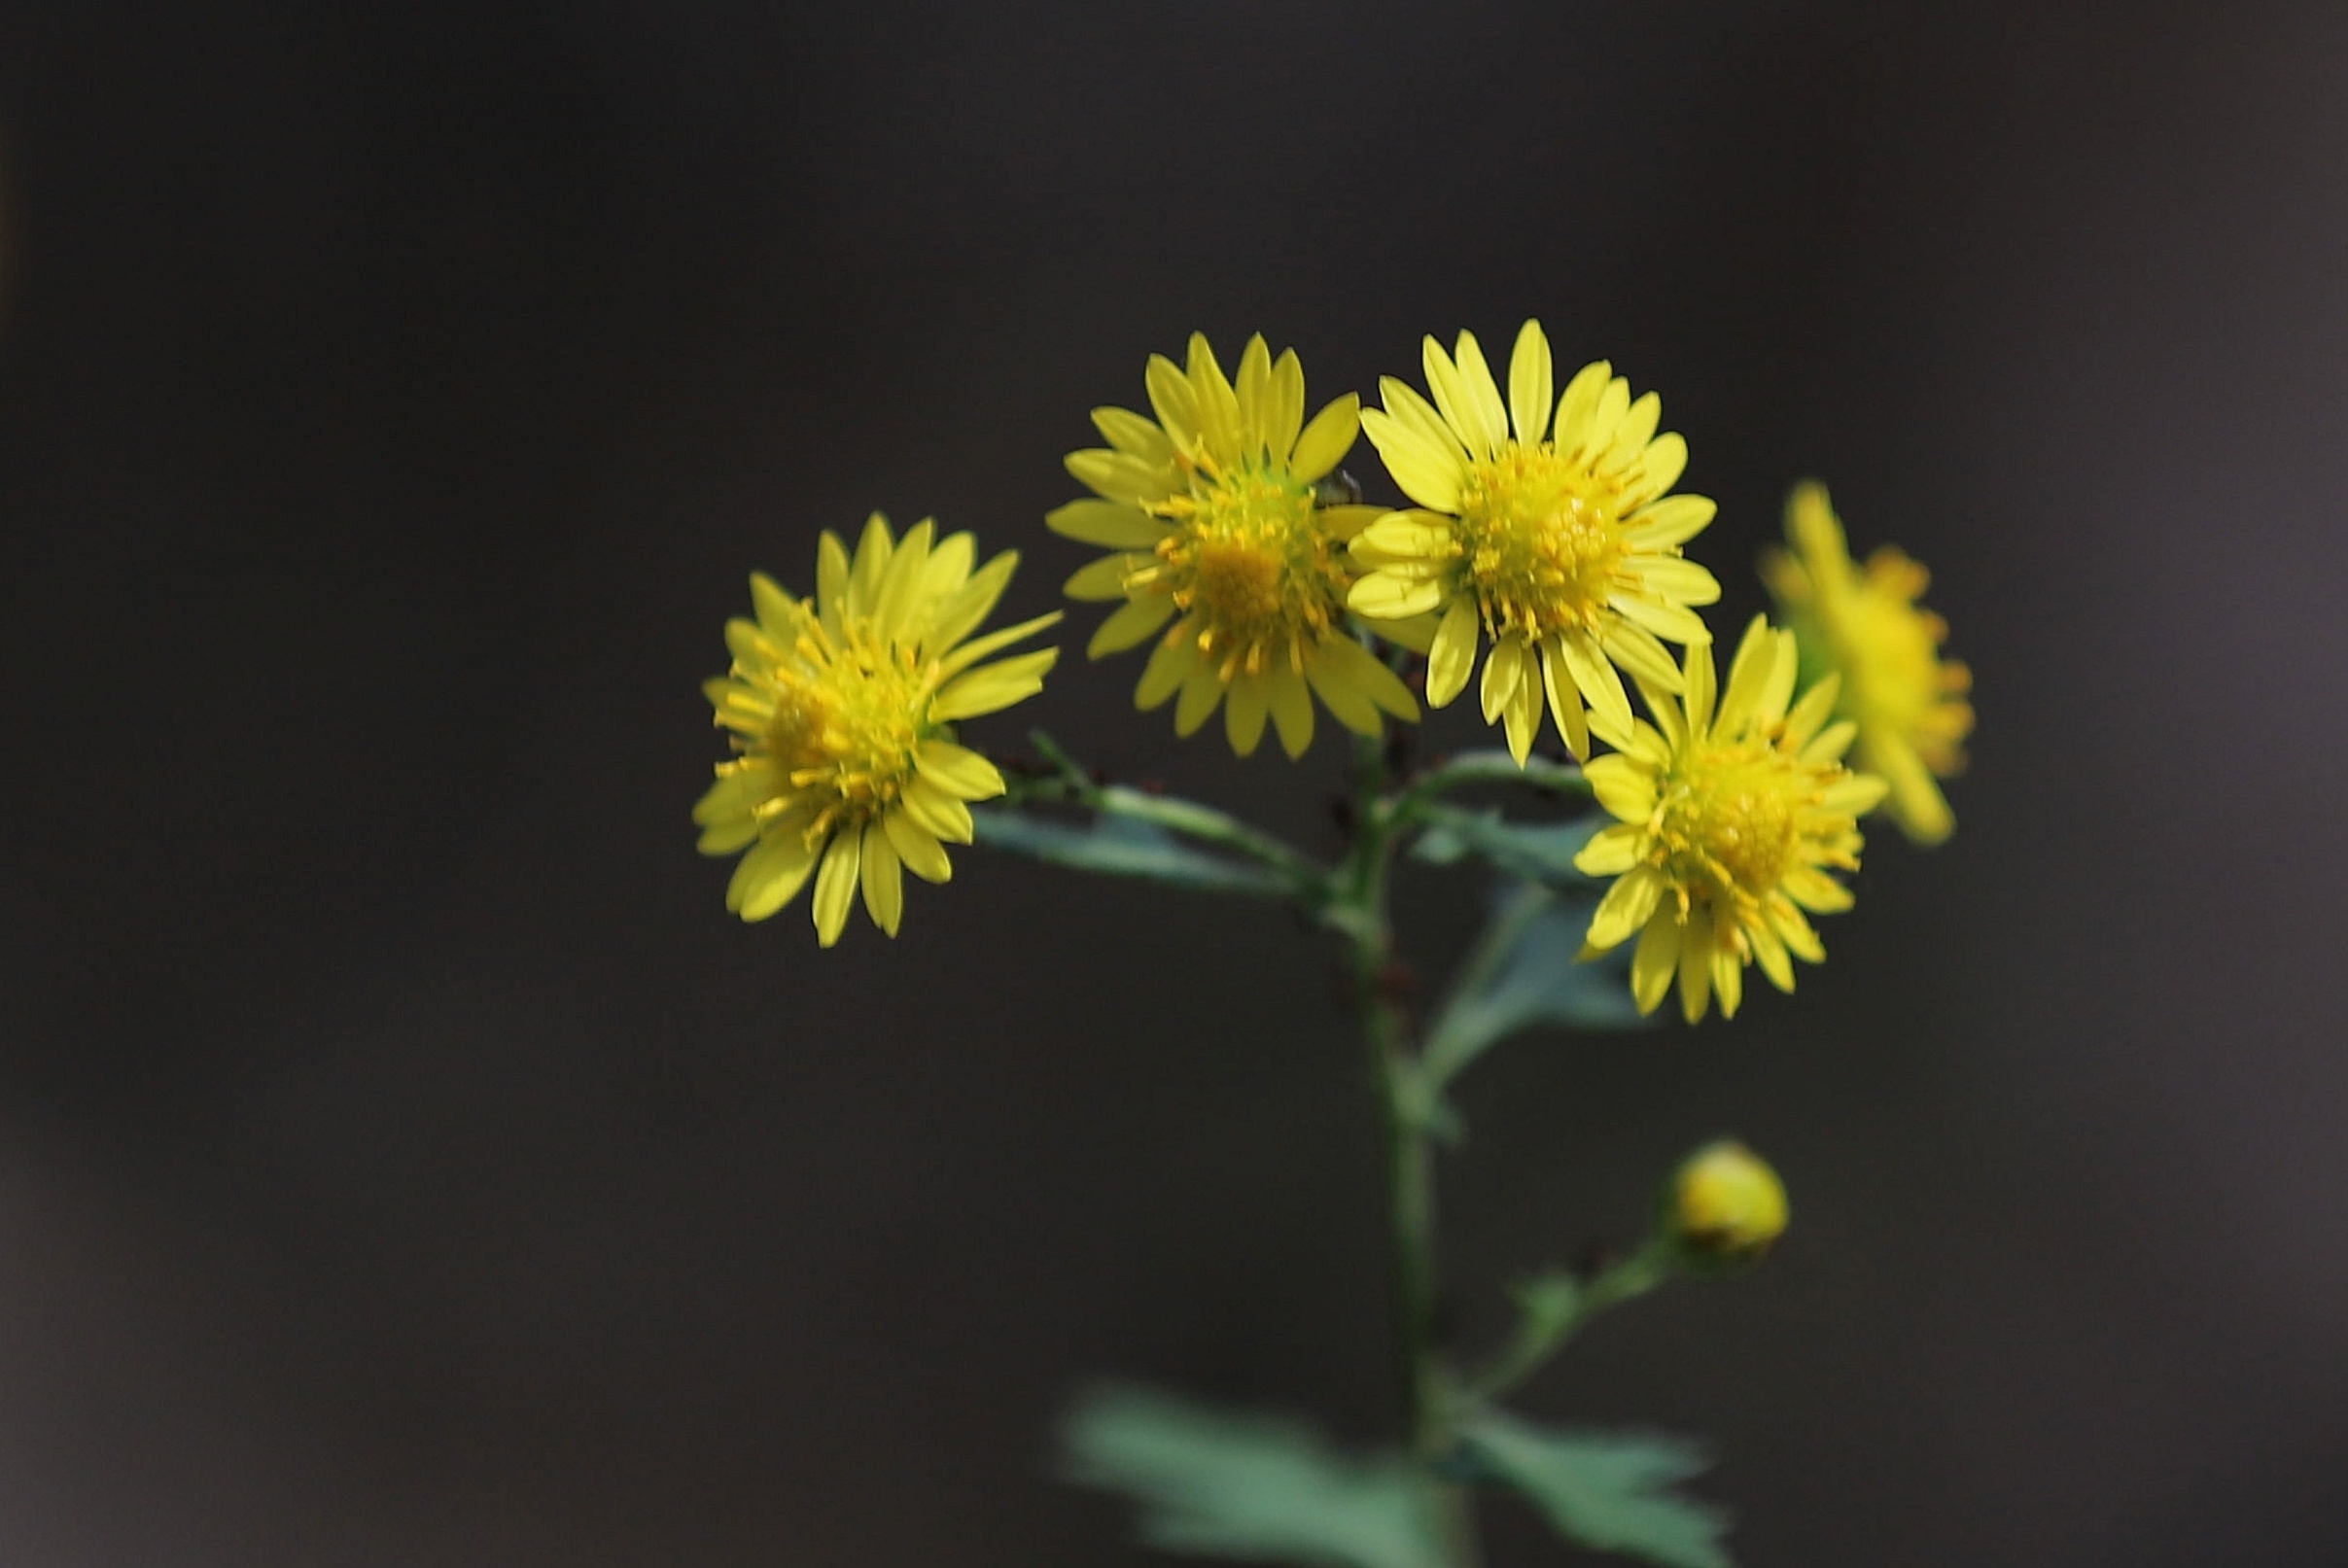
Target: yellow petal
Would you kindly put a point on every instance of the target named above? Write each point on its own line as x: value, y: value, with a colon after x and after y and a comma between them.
x: 1564, y: 698
x: 1219, y: 430
x: 957, y: 770
x: 1454, y: 654
x: 1255, y: 395
x: 1428, y: 472
x: 832, y: 580
x: 1326, y: 442
x: 884, y: 883
x: 1749, y: 674
x: 1522, y: 716
x: 1363, y: 670
x: 1169, y: 665
x: 993, y: 687
x: 966, y: 608
x: 1829, y: 745
x: 1387, y: 595
x: 1612, y: 851
x: 1595, y: 677
x: 1490, y: 413
x: 1676, y: 622
x: 918, y: 847
x: 1817, y: 891
x: 771, y: 875
x: 1135, y: 623
x: 935, y: 812
x: 1347, y: 702
x: 971, y: 653
x: 1771, y: 955
x: 1811, y: 711
x: 1119, y: 476
x: 1291, y: 711
x: 835, y: 886
x: 1696, y: 964
x: 1672, y: 520
x: 1674, y: 577
x: 1579, y: 405
x: 1129, y: 433
x: 1284, y: 414
x: 1250, y: 701
x: 1503, y: 668
x: 1623, y: 787
x: 1626, y: 907
x: 1529, y: 384
x: 872, y: 564
x: 1662, y: 464
x: 1727, y: 979
x: 1201, y: 689
x: 1173, y: 401
x: 1104, y: 579
x: 1858, y: 794
x: 1655, y: 959
x: 900, y: 610
x: 1111, y: 525
x: 1635, y: 649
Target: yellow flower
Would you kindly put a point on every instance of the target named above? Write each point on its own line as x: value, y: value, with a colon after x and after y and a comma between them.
x: 1214, y: 512
x: 1909, y: 704
x: 1727, y: 1203
x: 842, y: 709
x: 1730, y: 815
x: 1559, y: 543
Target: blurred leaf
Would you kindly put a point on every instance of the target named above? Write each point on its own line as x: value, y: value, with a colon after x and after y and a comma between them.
x: 1532, y: 852
x: 1610, y: 1491
x: 1120, y: 847
x: 1254, y: 1486
x: 1540, y: 980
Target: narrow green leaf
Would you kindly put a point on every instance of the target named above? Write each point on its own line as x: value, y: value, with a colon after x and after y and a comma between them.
x: 1252, y: 1486
x: 1120, y: 847
x: 1610, y: 1491
x: 1532, y: 852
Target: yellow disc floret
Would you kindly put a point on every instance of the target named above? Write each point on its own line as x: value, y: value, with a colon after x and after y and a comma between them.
x: 1865, y: 625
x: 1547, y: 530
x: 1225, y: 552
x: 842, y: 708
x: 1731, y: 815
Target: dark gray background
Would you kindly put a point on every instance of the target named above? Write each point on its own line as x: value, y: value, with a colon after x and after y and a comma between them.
x: 404, y: 1161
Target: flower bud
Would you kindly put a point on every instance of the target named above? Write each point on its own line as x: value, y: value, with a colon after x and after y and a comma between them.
x: 1726, y: 1205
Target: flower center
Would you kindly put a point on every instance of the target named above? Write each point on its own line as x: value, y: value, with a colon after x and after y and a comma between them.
x: 1891, y: 666
x: 1539, y: 538
x: 1251, y: 562
x: 1732, y: 817
x: 848, y: 720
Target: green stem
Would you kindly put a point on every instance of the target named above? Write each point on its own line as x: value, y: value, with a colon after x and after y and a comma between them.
x: 1358, y: 909
x: 1486, y: 767
x: 1449, y: 1047
x: 1540, y: 1335
x: 1307, y: 878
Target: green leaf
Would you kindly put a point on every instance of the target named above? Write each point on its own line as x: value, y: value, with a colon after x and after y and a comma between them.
x: 1532, y: 852
x: 1120, y: 847
x: 1541, y: 979
x: 1610, y: 1491
x: 1254, y: 1486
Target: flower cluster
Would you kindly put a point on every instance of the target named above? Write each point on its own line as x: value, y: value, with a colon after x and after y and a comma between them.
x: 1540, y: 531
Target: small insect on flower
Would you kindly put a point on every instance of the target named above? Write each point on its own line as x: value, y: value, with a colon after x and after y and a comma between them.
x: 1865, y: 624
x: 1731, y: 815
x: 1229, y: 550
x: 1560, y: 542
x: 842, y: 709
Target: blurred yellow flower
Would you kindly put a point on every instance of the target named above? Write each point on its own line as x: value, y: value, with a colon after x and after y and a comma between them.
x: 1214, y: 512
x: 1727, y: 1203
x: 1560, y: 542
x: 1730, y: 815
x: 1867, y: 626
x: 842, y: 709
